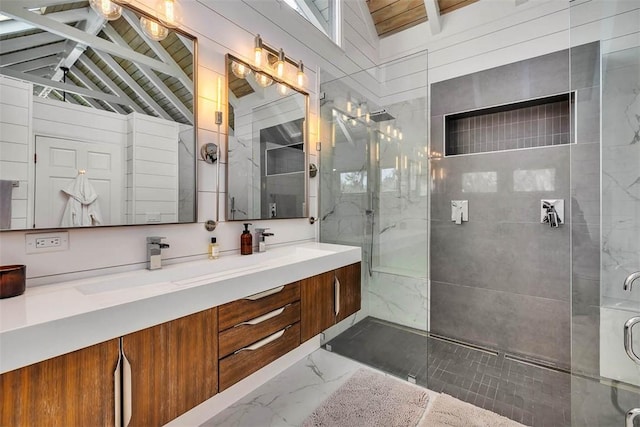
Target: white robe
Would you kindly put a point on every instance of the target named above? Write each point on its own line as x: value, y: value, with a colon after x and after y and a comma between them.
x: 82, y: 207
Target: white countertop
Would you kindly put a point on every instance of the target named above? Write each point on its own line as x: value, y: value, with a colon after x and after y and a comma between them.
x: 51, y: 320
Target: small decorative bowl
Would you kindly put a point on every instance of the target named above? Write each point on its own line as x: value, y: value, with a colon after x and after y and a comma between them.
x: 12, y: 280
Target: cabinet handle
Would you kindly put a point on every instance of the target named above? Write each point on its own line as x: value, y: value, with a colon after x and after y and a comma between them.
x: 262, y: 318
x: 265, y: 293
x: 337, y: 298
x: 117, y: 379
x: 264, y: 341
x: 628, y: 340
x: 126, y: 390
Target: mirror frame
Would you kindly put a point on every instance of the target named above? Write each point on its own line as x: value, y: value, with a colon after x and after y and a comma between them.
x: 305, y: 135
x: 195, y: 62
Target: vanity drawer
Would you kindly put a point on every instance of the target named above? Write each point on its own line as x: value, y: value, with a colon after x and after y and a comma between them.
x: 244, y: 362
x: 253, y: 306
x: 246, y: 333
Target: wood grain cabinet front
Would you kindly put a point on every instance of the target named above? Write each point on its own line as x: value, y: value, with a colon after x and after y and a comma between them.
x: 169, y: 369
x: 75, y: 389
x: 328, y: 298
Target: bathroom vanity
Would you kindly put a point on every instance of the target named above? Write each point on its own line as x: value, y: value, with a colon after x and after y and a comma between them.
x: 142, y: 348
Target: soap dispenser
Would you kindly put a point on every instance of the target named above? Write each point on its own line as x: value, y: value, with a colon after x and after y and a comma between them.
x: 246, y: 241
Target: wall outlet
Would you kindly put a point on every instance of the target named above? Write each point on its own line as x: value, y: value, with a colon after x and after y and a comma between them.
x: 47, y: 242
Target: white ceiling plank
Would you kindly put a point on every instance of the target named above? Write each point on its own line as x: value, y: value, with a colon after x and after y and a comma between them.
x: 72, y: 15
x: 152, y: 76
x: 61, y: 86
x: 433, y: 15
x: 36, y: 64
x: 17, y: 12
x: 133, y: 85
x: 26, y: 42
x: 113, y: 87
x: 157, y: 48
x: 82, y: 77
x: 31, y: 54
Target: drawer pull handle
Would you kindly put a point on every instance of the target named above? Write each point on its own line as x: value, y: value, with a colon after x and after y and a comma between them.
x: 263, y: 342
x: 262, y: 318
x: 126, y: 391
x: 337, y: 296
x: 117, y: 377
x: 265, y: 293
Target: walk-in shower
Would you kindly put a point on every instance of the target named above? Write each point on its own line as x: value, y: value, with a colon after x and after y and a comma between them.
x: 499, y: 308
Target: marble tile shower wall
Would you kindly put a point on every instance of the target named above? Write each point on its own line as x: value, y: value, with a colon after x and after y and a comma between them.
x: 527, y: 127
x: 503, y: 279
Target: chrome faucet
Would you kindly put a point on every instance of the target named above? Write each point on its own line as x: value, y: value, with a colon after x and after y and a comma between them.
x: 628, y: 282
x: 260, y: 235
x: 154, y: 252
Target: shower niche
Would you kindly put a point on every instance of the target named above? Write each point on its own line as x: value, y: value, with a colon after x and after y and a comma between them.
x: 532, y: 123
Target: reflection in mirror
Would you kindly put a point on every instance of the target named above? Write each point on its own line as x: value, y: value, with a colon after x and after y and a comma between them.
x: 266, y: 147
x: 83, y: 93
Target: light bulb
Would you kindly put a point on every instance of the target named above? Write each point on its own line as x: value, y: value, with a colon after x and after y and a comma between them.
x: 169, y: 13
x: 400, y: 134
x: 367, y: 117
x: 153, y: 30
x: 282, y: 89
x: 106, y: 9
x: 280, y: 64
x: 395, y: 132
x: 359, y: 110
x: 388, y: 129
x: 258, y: 51
x: 301, y: 77
x: 349, y: 106
x: 262, y: 79
x: 240, y: 70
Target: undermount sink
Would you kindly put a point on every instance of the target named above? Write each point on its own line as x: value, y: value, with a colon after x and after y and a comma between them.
x: 196, y: 272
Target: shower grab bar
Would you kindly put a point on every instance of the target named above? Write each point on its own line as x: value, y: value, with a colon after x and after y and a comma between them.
x: 628, y: 339
x: 631, y: 416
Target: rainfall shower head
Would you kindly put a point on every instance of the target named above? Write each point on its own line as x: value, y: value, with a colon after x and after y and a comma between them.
x: 381, y: 116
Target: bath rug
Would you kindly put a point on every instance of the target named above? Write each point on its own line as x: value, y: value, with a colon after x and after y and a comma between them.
x: 371, y: 399
x: 451, y: 412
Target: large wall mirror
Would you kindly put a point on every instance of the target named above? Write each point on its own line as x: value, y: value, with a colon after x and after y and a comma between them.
x: 98, y: 117
x: 267, y: 162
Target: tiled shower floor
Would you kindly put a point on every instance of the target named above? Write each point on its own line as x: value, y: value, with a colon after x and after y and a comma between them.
x: 529, y: 394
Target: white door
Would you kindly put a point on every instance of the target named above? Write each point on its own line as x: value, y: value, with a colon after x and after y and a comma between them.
x: 58, y: 163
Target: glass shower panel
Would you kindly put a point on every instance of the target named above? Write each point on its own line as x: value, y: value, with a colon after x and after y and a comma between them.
x: 606, y: 212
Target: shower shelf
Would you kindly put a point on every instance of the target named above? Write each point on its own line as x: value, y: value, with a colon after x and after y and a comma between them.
x: 533, y: 123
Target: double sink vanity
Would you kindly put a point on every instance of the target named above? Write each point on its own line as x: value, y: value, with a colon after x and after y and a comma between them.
x: 144, y: 347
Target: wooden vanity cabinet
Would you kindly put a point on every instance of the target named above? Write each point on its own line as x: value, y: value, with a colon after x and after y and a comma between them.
x: 75, y: 389
x: 174, y: 367
x: 328, y: 298
x: 256, y: 330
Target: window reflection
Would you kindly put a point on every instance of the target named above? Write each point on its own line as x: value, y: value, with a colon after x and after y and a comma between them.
x: 353, y: 182
x: 534, y: 180
x: 480, y: 182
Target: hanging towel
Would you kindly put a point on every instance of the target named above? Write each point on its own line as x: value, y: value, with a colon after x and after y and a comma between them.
x: 6, y: 188
x: 82, y: 208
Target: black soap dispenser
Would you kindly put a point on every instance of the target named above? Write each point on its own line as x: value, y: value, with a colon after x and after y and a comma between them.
x: 246, y: 241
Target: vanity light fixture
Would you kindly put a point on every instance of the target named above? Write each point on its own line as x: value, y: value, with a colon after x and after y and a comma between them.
x: 257, y: 51
x: 274, y: 61
x: 301, y: 77
x: 153, y: 29
x: 240, y: 70
x: 107, y: 9
x: 399, y: 134
x: 262, y: 79
x: 280, y: 64
x: 282, y: 89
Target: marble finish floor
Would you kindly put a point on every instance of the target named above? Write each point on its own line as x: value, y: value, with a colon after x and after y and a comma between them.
x: 289, y: 398
x: 528, y: 394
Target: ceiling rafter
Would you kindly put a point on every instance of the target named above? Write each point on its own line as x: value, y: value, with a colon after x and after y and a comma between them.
x: 26, y: 42
x: 31, y: 54
x: 16, y: 11
x: 433, y: 12
x: 86, y: 81
x: 152, y: 76
x: 36, y: 64
x: 126, y: 77
x: 72, y: 15
x: 160, y: 51
x: 113, y: 87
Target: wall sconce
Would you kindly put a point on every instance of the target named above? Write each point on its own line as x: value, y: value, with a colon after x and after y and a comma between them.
x: 153, y: 30
x: 266, y: 57
x: 107, y: 9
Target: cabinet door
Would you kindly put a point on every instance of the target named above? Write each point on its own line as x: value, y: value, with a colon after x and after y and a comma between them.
x: 349, y: 289
x: 174, y: 367
x: 317, y: 309
x: 75, y: 389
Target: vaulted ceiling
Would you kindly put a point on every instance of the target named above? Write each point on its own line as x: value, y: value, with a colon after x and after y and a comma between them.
x: 392, y: 16
x: 110, y: 65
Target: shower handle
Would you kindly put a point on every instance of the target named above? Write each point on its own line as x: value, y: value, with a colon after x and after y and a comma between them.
x: 631, y: 415
x: 628, y: 339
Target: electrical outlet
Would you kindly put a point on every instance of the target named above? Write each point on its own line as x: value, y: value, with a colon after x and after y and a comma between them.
x: 47, y: 242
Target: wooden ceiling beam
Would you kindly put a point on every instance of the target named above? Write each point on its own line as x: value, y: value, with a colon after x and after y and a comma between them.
x: 433, y: 12
x: 86, y: 81
x: 31, y: 54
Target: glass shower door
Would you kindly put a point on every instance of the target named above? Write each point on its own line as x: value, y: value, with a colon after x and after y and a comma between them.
x: 608, y: 384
